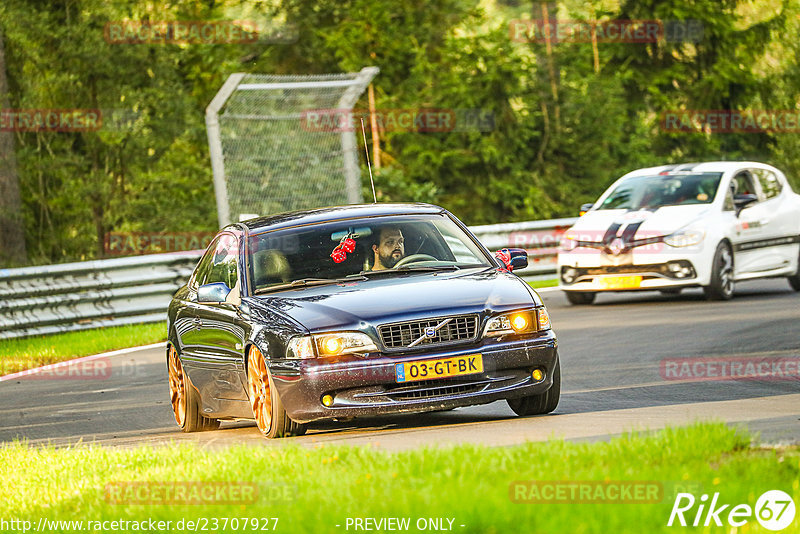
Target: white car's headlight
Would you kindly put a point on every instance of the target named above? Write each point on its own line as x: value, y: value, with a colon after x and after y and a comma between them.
x: 520, y: 322
x: 685, y: 238
x: 333, y: 344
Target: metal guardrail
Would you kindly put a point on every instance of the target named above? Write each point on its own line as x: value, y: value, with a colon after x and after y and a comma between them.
x: 77, y: 296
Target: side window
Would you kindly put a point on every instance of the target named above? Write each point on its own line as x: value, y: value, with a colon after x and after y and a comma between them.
x: 770, y: 184
x: 729, y: 205
x: 744, y: 184
x: 204, y: 265
x: 224, y: 262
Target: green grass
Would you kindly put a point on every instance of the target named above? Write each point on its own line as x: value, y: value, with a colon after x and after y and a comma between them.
x: 26, y: 353
x: 538, y: 284
x: 468, y: 483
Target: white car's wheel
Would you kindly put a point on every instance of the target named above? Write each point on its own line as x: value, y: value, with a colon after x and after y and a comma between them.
x: 721, y: 286
x: 794, y: 280
x: 582, y: 297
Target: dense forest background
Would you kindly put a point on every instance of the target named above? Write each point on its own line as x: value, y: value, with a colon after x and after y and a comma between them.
x: 569, y: 117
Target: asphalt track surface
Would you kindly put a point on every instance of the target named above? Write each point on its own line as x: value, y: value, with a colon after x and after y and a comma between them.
x: 613, y: 357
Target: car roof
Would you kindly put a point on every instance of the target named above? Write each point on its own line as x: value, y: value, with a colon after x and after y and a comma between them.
x: 704, y: 166
x: 333, y: 213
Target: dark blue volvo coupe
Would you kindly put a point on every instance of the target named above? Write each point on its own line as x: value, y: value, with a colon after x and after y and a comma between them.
x: 351, y: 311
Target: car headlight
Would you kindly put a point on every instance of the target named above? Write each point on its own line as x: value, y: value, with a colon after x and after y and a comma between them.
x: 333, y: 344
x: 685, y: 238
x: 520, y: 322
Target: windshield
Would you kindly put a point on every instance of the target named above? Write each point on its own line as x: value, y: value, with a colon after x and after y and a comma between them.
x: 338, y: 249
x: 652, y: 192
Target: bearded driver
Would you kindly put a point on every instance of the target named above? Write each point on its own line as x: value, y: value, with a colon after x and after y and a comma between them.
x: 389, y: 248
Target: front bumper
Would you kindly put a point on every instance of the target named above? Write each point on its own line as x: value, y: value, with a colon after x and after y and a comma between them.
x: 367, y: 386
x: 670, y: 274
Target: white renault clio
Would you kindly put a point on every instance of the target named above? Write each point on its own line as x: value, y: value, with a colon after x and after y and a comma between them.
x: 665, y: 228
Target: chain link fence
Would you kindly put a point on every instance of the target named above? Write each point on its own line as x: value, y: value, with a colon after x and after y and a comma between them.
x: 265, y: 156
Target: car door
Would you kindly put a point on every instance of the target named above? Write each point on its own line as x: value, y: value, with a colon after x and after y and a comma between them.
x: 187, y: 323
x: 779, y: 247
x: 221, y: 328
x: 749, y: 230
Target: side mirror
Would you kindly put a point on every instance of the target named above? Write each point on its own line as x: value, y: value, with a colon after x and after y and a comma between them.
x: 512, y: 258
x: 216, y: 292
x: 585, y: 208
x: 742, y: 201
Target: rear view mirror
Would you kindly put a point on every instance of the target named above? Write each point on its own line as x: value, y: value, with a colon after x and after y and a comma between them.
x: 216, y: 292
x: 585, y: 208
x: 512, y: 258
x: 742, y: 201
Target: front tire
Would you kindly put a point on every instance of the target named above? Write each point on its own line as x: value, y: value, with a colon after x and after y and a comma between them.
x: 544, y: 402
x: 184, y: 398
x: 268, y: 411
x: 582, y: 297
x: 671, y: 291
x: 794, y: 280
x: 722, y: 283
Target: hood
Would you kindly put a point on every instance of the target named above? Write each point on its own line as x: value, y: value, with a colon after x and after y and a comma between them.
x: 365, y: 304
x: 640, y: 224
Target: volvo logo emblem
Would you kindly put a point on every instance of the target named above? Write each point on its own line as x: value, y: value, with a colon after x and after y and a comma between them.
x: 430, y: 331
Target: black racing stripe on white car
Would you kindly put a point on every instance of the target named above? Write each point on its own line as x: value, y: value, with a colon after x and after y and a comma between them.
x: 765, y: 243
x: 611, y: 233
x: 630, y: 231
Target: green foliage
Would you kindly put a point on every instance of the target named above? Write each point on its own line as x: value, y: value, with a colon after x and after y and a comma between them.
x: 148, y: 169
x: 314, y: 489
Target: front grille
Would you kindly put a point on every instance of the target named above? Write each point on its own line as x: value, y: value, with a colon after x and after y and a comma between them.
x: 435, y: 392
x: 401, y: 335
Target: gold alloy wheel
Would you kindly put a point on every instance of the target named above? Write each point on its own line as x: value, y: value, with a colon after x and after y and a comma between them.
x: 258, y: 387
x: 177, y: 386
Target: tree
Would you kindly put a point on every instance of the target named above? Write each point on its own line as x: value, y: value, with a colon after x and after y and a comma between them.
x: 12, y: 230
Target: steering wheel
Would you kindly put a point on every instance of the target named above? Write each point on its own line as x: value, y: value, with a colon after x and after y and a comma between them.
x: 414, y: 258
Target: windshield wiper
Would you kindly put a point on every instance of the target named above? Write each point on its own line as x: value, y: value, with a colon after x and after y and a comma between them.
x: 402, y: 270
x: 302, y: 282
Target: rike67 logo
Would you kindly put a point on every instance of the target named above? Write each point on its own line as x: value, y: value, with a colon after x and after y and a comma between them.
x: 774, y: 510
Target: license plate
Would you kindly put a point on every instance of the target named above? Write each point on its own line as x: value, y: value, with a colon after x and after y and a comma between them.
x: 621, y: 282
x: 443, y: 368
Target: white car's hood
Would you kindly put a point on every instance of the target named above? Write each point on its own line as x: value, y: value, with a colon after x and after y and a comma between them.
x: 594, y: 225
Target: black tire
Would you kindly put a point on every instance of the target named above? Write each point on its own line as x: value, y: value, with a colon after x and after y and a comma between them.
x: 195, y: 421
x: 722, y: 283
x: 543, y: 403
x: 580, y: 297
x: 279, y: 424
x: 794, y: 280
x: 184, y: 397
x: 671, y: 291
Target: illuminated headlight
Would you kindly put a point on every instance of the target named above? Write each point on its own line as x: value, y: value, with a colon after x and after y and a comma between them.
x: 333, y: 344
x: 685, y: 238
x: 521, y: 322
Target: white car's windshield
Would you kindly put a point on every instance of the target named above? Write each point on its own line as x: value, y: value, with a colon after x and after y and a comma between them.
x: 338, y: 249
x: 652, y: 192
